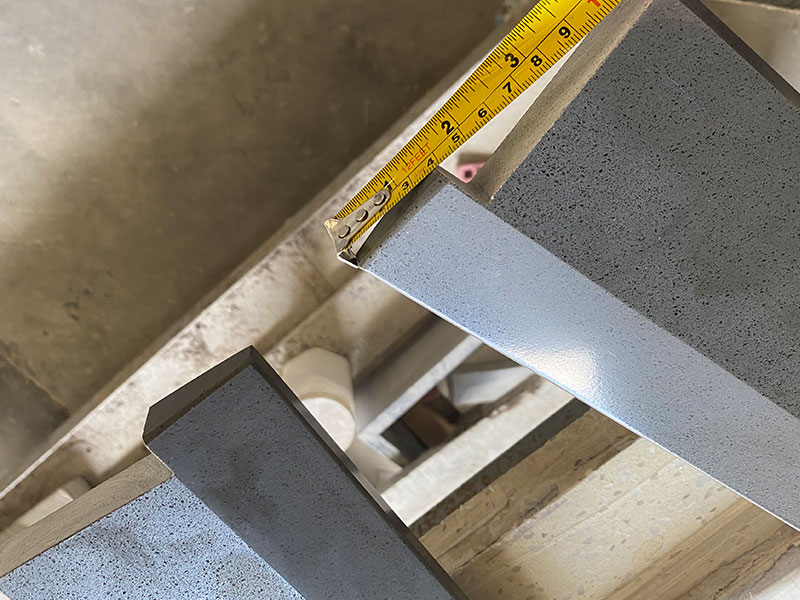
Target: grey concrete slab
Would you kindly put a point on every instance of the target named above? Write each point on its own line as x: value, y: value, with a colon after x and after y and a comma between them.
x: 640, y: 245
x: 164, y: 544
x: 242, y: 442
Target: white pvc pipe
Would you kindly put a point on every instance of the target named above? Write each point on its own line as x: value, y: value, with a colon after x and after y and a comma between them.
x: 322, y: 381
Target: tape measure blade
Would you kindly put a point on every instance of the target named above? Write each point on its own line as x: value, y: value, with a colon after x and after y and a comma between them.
x: 549, y: 30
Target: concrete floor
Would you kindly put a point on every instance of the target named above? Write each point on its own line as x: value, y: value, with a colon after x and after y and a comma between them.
x: 148, y: 148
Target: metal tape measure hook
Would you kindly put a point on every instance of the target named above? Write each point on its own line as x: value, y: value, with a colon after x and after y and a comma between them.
x: 342, y: 231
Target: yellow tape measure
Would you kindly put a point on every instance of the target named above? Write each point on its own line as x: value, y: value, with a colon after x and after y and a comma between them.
x: 544, y: 36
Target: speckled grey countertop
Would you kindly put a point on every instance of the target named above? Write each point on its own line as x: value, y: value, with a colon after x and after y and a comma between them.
x: 165, y: 544
x: 639, y: 247
x: 240, y: 440
x: 680, y: 196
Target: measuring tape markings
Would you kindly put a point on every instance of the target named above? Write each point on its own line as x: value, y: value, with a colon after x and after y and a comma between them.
x: 523, y: 56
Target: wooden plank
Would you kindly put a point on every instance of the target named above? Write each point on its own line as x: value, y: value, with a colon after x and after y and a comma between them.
x: 95, y: 504
x: 737, y: 546
x: 638, y: 521
x: 631, y: 512
x: 532, y: 485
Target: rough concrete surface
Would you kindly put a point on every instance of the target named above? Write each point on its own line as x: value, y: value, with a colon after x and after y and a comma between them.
x: 147, y: 148
x: 342, y: 325
x: 671, y: 186
x: 27, y: 415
